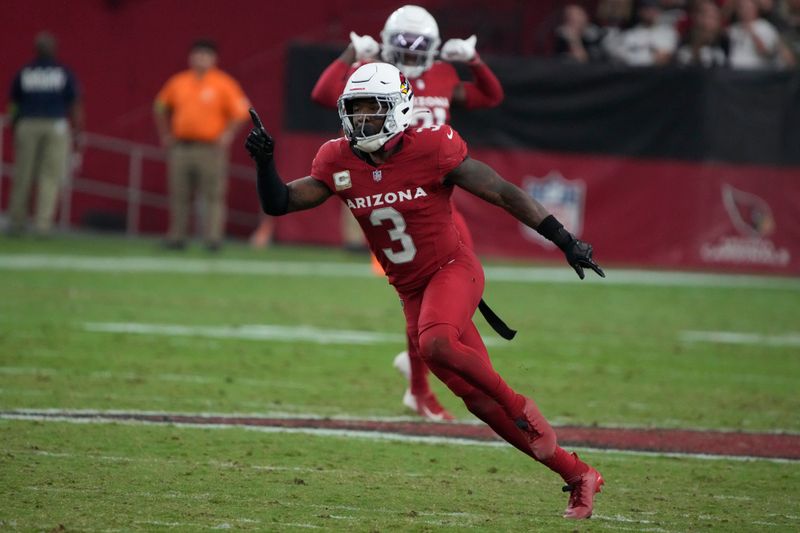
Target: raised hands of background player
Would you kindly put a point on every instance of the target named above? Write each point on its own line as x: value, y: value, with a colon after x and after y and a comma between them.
x: 459, y: 49
x: 579, y: 256
x: 259, y: 143
x: 365, y: 47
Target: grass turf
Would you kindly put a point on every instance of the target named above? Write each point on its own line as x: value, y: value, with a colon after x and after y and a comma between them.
x: 590, y: 354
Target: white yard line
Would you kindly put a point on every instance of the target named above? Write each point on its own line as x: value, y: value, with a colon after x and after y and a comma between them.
x: 252, y: 332
x: 262, y: 332
x: 740, y: 337
x: 300, y: 413
x: 191, y: 525
x: 363, y: 270
x: 618, y: 519
x: 617, y: 527
x: 287, y: 415
x: 366, y: 435
x: 172, y: 378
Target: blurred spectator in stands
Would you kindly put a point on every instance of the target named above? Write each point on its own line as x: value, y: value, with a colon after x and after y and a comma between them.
x: 648, y: 43
x: 705, y: 44
x: 769, y: 10
x: 44, y: 96
x: 614, y: 14
x: 755, y: 42
x: 577, y: 39
x: 673, y: 12
x: 197, y: 113
x: 790, y: 28
x: 773, y: 11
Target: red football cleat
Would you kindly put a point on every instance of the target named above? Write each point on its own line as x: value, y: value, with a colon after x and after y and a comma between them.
x: 583, y: 489
x: 427, y: 406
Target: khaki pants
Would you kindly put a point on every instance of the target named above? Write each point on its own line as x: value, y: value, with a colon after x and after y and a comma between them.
x: 200, y: 166
x: 41, y: 150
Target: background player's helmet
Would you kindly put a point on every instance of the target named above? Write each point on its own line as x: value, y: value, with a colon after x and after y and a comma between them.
x: 410, y: 40
x: 391, y: 90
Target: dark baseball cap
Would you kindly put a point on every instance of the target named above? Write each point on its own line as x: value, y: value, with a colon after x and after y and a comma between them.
x: 205, y: 44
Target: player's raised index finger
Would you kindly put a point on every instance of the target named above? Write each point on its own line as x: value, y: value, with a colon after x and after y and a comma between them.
x: 255, y: 118
x: 597, y: 269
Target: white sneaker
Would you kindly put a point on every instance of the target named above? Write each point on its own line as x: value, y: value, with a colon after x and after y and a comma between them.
x: 427, y: 407
x: 403, y: 365
x: 409, y: 400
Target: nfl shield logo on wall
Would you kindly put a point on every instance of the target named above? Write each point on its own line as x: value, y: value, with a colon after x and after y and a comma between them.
x: 563, y: 198
x: 377, y: 175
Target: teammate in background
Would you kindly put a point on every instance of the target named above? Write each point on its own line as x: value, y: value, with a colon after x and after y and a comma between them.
x: 411, y: 42
x: 198, y: 113
x: 44, y: 97
x: 409, y: 226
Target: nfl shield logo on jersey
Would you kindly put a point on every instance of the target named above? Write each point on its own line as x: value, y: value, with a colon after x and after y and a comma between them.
x: 563, y: 198
x: 377, y: 175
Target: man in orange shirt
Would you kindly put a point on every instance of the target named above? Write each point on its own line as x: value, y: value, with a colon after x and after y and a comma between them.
x: 198, y: 113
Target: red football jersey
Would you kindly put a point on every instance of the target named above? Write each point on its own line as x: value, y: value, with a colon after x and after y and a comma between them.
x: 403, y: 205
x: 433, y: 92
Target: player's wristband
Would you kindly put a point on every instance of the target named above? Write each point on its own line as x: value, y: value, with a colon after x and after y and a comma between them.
x: 272, y: 192
x: 552, y: 230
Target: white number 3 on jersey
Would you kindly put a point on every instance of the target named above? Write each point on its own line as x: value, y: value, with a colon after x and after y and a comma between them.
x: 398, y: 233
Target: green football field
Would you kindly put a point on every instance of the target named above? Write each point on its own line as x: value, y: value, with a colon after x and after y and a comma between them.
x: 92, y: 326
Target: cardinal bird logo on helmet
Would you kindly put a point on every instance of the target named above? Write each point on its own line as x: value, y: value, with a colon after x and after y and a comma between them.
x: 405, y: 86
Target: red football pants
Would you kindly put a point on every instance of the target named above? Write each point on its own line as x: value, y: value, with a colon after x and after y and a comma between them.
x: 419, y: 370
x: 439, y: 320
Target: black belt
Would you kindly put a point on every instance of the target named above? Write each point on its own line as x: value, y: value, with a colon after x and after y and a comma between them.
x: 496, y: 322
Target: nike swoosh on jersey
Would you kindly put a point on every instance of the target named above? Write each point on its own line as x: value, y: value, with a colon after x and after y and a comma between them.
x: 450, y: 134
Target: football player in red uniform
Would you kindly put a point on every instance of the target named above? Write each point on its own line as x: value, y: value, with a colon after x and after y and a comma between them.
x: 411, y: 42
x: 397, y: 182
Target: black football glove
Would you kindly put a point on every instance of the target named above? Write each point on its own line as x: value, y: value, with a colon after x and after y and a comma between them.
x: 579, y: 255
x: 259, y: 143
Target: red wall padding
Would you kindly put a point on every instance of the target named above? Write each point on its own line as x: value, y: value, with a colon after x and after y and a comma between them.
x: 646, y: 213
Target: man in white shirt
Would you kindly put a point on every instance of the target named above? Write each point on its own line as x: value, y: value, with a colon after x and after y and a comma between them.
x: 646, y: 44
x: 754, y: 41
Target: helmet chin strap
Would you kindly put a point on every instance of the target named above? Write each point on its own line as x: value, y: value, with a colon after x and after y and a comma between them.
x: 376, y: 144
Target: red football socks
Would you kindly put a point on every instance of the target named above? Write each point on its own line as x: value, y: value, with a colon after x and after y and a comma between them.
x: 419, y: 373
x: 566, y: 464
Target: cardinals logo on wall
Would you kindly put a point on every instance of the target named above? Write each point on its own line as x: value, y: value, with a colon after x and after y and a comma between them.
x: 563, y: 198
x: 750, y: 214
x: 752, y: 218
